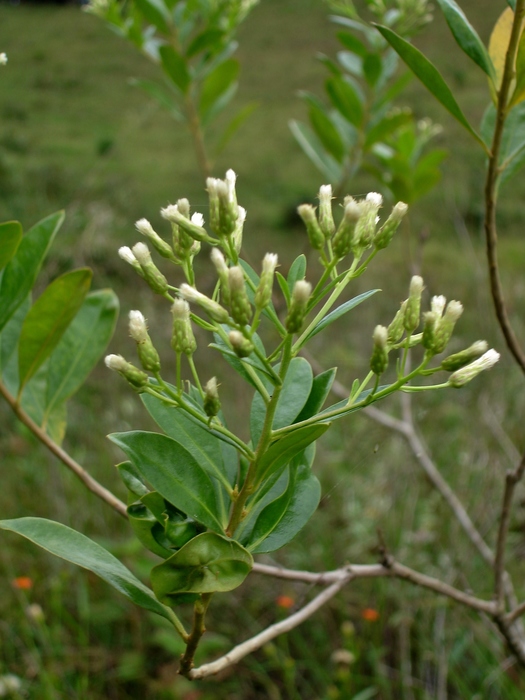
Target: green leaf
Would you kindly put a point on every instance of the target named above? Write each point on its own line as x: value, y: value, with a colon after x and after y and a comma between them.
x: 175, y: 68
x: 372, y: 68
x: 282, y: 451
x: 320, y: 389
x: 155, y: 12
x: 519, y: 91
x: 281, y: 520
x: 345, y: 99
x: 208, y: 39
x: 174, y: 473
x: 390, y: 123
x: 512, y: 4
x: 283, y: 284
x: 144, y: 523
x: 428, y: 75
x: 163, y: 96
x: 132, y: 479
x: 195, y: 437
x: 10, y: 237
x: 21, y: 272
x: 234, y: 125
x: 216, y: 85
x: 81, y: 346
x: 294, y: 394
x: 296, y: 272
x: 340, y: 311
x: 9, y: 340
x: 315, y: 151
x: 466, y: 36
x: 325, y: 414
x: 324, y: 127
x: 352, y: 43
x: 48, y: 319
x: 80, y: 550
x: 209, y: 563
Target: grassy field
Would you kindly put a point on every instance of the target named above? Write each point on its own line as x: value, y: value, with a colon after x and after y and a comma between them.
x: 75, y: 134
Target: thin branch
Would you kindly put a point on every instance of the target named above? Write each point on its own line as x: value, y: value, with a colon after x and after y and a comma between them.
x: 511, y: 481
x: 79, y: 471
x: 517, y: 612
x: 358, y: 570
x: 198, y: 629
x: 491, y: 234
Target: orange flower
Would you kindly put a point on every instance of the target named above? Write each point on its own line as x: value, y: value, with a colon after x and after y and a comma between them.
x: 370, y: 615
x: 23, y: 583
x: 285, y: 601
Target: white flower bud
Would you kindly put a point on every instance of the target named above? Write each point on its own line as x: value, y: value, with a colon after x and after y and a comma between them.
x: 115, y: 362
x: 218, y: 260
x: 465, y: 374
x: 169, y: 212
x: 269, y: 263
x: 127, y: 255
x: 137, y: 326
x: 197, y: 219
x: 141, y: 253
x: 180, y: 310
x: 375, y: 198
x: 143, y: 226
x: 231, y: 178
x: 3, y: 59
x: 241, y: 215
x: 437, y: 305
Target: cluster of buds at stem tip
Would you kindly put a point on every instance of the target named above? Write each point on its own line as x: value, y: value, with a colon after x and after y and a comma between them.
x: 298, y: 306
x: 263, y: 294
x: 366, y: 226
x: 439, y: 325
x: 345, y: 239
x: 182, y: 338
x: 212, y: 404
x: 226, y: 217
x: 144, y: 227
x: 193, y: 227
x: 464, y: 375
x: 379, y: 359
x: 148, y: 356
x: 214, y: 310
x: 241, y: 310
x: 136, y: 377
x: 150, y: 272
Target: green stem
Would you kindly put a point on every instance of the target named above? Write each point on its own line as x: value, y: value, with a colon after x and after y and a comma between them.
x: 198, y: 629
x: 256, y: 380
x: 178, y: 625
x: 195, y: 375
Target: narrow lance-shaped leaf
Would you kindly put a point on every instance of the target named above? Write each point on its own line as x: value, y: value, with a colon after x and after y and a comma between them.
x: 429, y: 75
x: 466, y: 36
x: 175, y: 67
x: 519, y: 91
x: 499, y: 42
x: 315, y: 151
x: 48, y: 319
x: 78, y: 549
x: 21, y: 272
x: 10, y: 237
x: 340, y: 311
x: 345, y: 99
x: 320, y: 389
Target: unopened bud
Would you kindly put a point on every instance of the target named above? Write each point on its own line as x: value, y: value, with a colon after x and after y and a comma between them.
x: 152, y: 275
x: 326, y: 217
x: 241, y: 310
x: 460, y: 359
x: 149, y: 357
x: 445, y: 326
x: 430, y: 322
x: 437, y: 305
x: 219, y: 262
x: 242, y: 347
x: 298, y: 306
x: 239, y: 227
x: 387, y: 230
x: 231, y: 179
x: 132, y: 374
x: 194, y: 230
x: 465, y: 374
x: 228, y: 210
x: 366, y: 227
x: 345, y: 238
x: 144, y: 227
x: 182, y: 338
x: 397, y: 328
x: 127, y: 255
x: 263, y: 295
x: 184, y: 207
x: 315, y: 235
x: 379, y: 359
x: 211, y: 186
x: 413, y: 307
x: 212, y: 308
x: 212, y: 404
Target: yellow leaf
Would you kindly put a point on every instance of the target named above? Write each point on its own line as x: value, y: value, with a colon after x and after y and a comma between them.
x: 499, y: 42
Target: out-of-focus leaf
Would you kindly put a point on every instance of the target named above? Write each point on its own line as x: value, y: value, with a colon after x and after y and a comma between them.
x: 466, y: 36
x: 216, y: 85
x: 10, y: 237
x: 9, y: 339
x: 209, y: 563
x: 208, y: 39
x: 21, y: 272
x: 352, y: 43
x: 48, y: 319
x: 323, y: 127
x: 372, y: 68
x: 155, y: 12
x: 345, y: 99
x: 519, y: 91
x: 429, y: 75
x: 499, y: 42
x: 315, y: 151
x: 175, y: 68
x: 234, y: 125
x: 161, y: 95
x: 387, y: 125
x: 78, y: 549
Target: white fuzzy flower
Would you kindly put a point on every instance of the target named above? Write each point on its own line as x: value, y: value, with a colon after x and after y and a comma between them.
x: 127, y: 255
x: 141, y: 252
x: 461, y: 376
x: 169, y: 212
x: 197, y: 219
x: 143, y: 226
x: 438, y: 304
x: 375, y: 198
x: 269, y: 263
x: 137, y: 326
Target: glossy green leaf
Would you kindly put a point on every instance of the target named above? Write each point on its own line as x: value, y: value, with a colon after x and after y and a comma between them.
x: 174, y: 473
x: 216, y: 85
x: 428, y: 75
x: 155, y: 12
x: 195, y: 437
x: 81, y: 346
x: 315, y: 151
x: 284, y: 450
x: 281, y: 520
x: 78, y: 549
x: 345, y: 99
x: 321, y: 387
x: 144, y: 523
x: 466, y: 36
x: 294, y: 394
x: 175, y: 68
x: 132, y: 479
x: 21, y: 272
x: 48, y: 319
x: 209, y: 563
x: 10, y: 237
x: 296, y: 272
x: 340, y: 311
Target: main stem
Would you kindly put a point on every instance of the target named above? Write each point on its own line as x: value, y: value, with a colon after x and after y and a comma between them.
x: 491, y: 234
x: 198, y: 629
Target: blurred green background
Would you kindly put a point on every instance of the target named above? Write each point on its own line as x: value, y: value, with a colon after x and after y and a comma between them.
x: 75, y: 134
